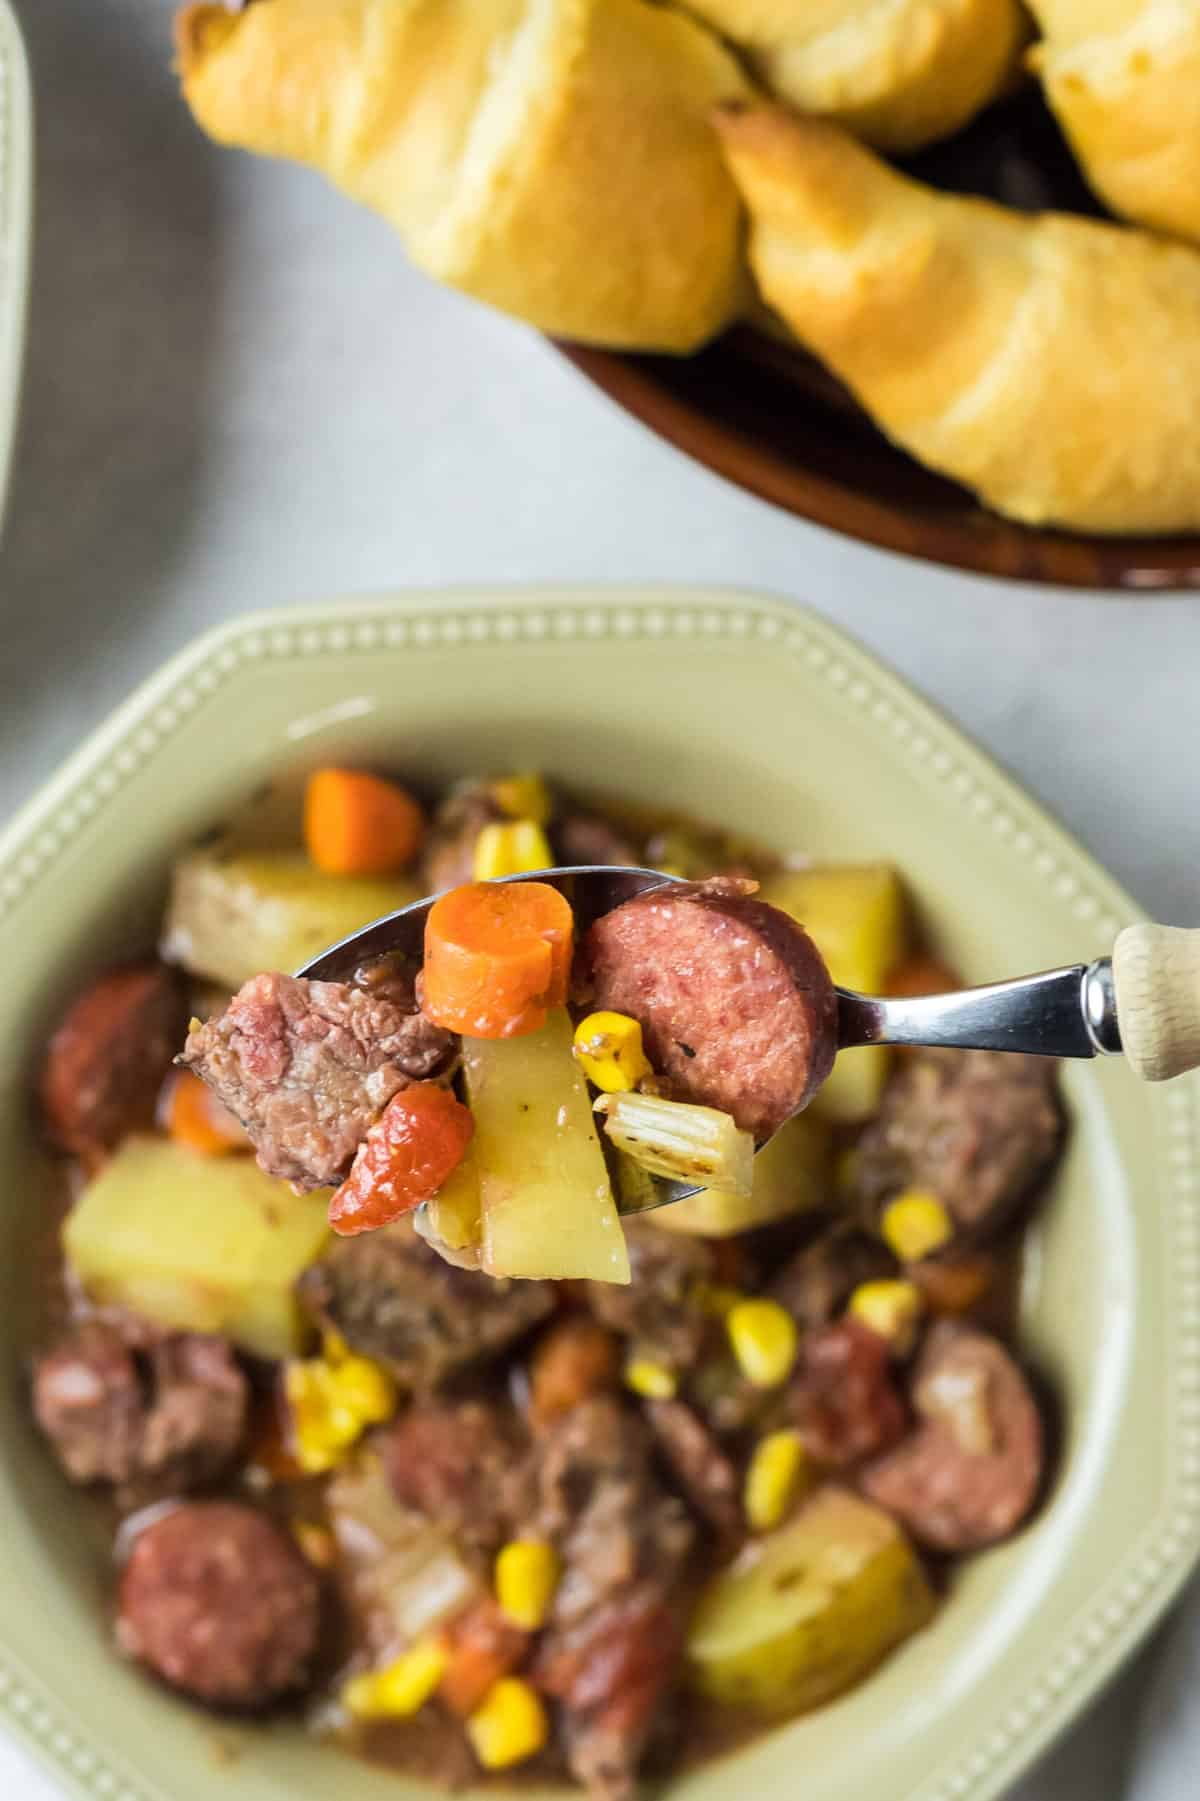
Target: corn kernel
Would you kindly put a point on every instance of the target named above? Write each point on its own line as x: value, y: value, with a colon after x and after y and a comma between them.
x: 511, y: 849
x: 764, y: 1340
x: 892, y: 1309
x: 509, y: 1726
x: 402, y: 1688
x: 334, y: 1348
x: 365, y: 1389
x: 916, y: 1224
x: 608, y: 1049
x: 527, y: 1574
x: 773, y: 1479
x: 654, y: 1381
x: 523, y: 797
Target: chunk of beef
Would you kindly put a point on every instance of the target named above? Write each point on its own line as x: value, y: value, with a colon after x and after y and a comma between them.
x: 706, y: 1475
x: 817, y: 1282
x: 106, y: 1061
x: 218, y: 1601
x: 394, y: 1299
x: 659, y: 1309
x: 448, y: 858
x: 612, y: 1647
x: 978, y: 1128
x: 586, y: 838
x: 843, y: 1396
x: 308, y: 1066
x: 464, y: 1465
x: 153, y: 1420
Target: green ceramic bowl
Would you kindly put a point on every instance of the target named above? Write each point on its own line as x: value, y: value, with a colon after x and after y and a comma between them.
x: 739, y: 709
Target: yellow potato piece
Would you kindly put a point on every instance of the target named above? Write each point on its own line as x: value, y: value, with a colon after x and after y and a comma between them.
x: 230, y: 916
x: 546, y: 1199
x: 855, y: 915
x: 204, y: 1244
x: 792, y: 1175
x: 808, y: 1610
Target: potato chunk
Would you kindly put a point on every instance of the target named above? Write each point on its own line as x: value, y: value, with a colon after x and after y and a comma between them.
x: 792, y: 1175
x: 204, y: 1244
x: 546, y: 1199
x: 231, y: 916
x: 807, y: 1611
x: 855, y: 914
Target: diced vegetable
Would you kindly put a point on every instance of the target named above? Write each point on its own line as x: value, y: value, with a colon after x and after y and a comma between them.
x: 792, y: 1174
x: 203, y: 1244
x: 575, y: 1359
x: 528, y: 1572
x: 523, y: 796
x: 764, y: 1339
x: 484, y: 1645
x: 196, y: 1118
x: 773, y: 1478
x: 510, y: 1726
x: 608, y: 1047
x: 547, y: 1203
x: 497, y: 958
x: 332, y: 1400
x: 855, y: 914
x: 653, y: 1381
x: 417, y: 1143
x: 359, y: 824
x: 510, y: 847
x: 681, y: 1141
x: 892, y: 1310
x: 454, y: 1212
x: 915, y: 1224
x: 807, y: 1611
x: 402, y: 1569
x: 232, y: 916
x: 402, y: 1687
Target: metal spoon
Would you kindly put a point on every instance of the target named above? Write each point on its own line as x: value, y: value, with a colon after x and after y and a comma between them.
x: 1144, y: 1000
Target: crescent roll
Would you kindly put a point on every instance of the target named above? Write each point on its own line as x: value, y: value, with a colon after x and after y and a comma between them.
x: 1123, y: 77
x: 555, y: 158
x: 898, y: 73
x: 1050, y: 363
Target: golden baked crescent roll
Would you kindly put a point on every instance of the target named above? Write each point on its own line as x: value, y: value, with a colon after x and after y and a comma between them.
x: 553, y: 157
x: 1050, y: 363
x: 898, y: 73
x: 1123, y: 77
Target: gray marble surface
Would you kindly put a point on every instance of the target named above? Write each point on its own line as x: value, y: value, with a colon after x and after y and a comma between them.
x: 238, y: 395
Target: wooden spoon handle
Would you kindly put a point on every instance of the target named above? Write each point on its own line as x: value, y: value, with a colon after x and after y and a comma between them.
x: 1156, y: 979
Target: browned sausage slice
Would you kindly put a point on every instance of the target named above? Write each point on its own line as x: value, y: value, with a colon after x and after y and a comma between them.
x: 735, y: 1003
x: 217, y: 1601
x: 107, y: 1059
x: 970, y: 1472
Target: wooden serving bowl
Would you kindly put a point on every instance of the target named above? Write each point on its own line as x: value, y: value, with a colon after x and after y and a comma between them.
x: 769, y: 417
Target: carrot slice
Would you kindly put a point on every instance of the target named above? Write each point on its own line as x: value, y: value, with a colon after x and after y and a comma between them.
x: 483, y: 1646
x: 195, y: 1117
x: 359, y: 824
x: 421, y: 1136
x: 497, y: 957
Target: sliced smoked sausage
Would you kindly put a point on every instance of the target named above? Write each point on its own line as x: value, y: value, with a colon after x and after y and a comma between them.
x: 220, y: 1603
x: 107, y: 1060
x: 735, y: 1003
x: 971, y: 1470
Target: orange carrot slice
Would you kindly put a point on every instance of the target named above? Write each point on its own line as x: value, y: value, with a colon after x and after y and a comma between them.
x: 195, y: 1117
x: 359, y: 824
x: 497, y: 957
x: 421, y: 1136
